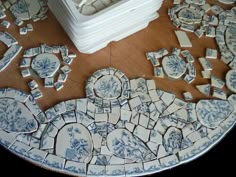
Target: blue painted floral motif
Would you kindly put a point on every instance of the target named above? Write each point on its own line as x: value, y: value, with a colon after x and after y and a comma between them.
x: 174, y: 66
x: 74, y: 143
x: 124, y: 145
x: 45, y: 65
x: 108, y: 87
x: 189, y: 16
x: 15, y: 117
x: 212, y: 112
x: 172, y: 140
x: 19, y: 7
x: 231, y: 38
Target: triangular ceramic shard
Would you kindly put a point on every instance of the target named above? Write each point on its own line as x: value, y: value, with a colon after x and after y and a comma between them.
x: 125, y: 145
x: 16, y: 117
x: 204, y: 89
x: 212, y: 112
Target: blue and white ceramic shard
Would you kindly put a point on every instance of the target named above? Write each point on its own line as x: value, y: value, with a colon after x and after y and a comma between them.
x: 190, y: 16
x: 212, y: 112
x: 74, y: 142
x: 231, y: 80
x: 45, y: 65
x: 16, y: 117
x: 174, y: 66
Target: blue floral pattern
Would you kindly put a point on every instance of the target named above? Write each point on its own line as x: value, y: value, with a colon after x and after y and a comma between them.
x: 212, y: 112
x: 189, y: 16
x: 15, y: 117
x: 172, y: 140
x: 124, y: 145
x: 45, y: 65
x: 174, y: 66
x: 108, y: 87
x: 75, y: 146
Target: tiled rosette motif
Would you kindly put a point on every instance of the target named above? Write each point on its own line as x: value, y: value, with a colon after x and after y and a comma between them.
x: 12, y: 51
x: 90, y: 7
x: 110, y: 134
x: 193, y: 16
x: 177, y: 65
x: 50, y: 63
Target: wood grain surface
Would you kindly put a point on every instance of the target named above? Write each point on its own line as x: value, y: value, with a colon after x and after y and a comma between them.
x: 128, y: 55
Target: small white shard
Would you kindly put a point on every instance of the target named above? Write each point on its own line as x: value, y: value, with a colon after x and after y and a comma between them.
x: 142, y: 133
x: 134, y: 102
x: 206, y: 65
x: 125, y: 115
x: 206, y: 74
x: 33, y: 85
x: 5, y: 24
x: 18, y: 22
x: 167, y: 98
x: 49, y: 82
x: 188, y: 129
x: 29, y: 27
x: 158, y: 72
x: 161, y: 152
x: 151, y: 85
x: 211, y: 53
x: 187, y: 96
x: 25, y: 72
x: 183, y: 39
x: 210, y: 31
x: 62, y: 77
x: 216, y: 82
x: 130, y: 126
x: 153, y: 147
x: 23, y: 31
x: 218, y: 93
x: 189, y: 79
x: 199, y: 33
x: 25, y: 62
x: 101, y: 117
x: 156, y: 137
x: 153, y: 95
x: 143, y: 121
x: 37, y: 94
x: 204, y: 89
x: 58, y: 86
x: 206, y: 7
x: 193, y: 137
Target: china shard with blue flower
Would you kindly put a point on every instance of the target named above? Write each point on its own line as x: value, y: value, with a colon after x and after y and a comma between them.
x: 74, y: 143
x: 15, y: 117
x: 231, y: 80
x: 108, y: 87
x: 174, y: 66
x: 45, y: 65
x: 190, y: 16
x: 212, y: 112
x: 172, y: 140
x: 230, y: 37
x: 125, y: 145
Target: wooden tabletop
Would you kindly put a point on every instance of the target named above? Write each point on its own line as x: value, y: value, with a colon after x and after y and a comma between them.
x: 128, y: 55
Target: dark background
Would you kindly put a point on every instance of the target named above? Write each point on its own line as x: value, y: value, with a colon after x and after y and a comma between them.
x: 220, y: 159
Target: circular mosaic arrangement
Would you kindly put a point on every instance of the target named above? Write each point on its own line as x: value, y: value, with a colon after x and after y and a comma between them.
x: 123, y: 127
x: 146, y: 132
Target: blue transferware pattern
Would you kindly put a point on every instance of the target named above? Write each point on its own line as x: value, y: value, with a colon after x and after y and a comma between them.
x: 190, y: 16
x: 108, y: 87
x: 125, y: 145
x: 15, y: 117
x: 20, y: 10
x: 174, y: 66
x: 212, y: 112
x: 45, y: 65
x: 74, y: 143
x: 230, y: 36
x: 172, y: 140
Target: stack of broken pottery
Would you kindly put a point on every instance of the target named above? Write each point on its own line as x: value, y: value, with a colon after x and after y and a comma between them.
x: 92, y: 24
